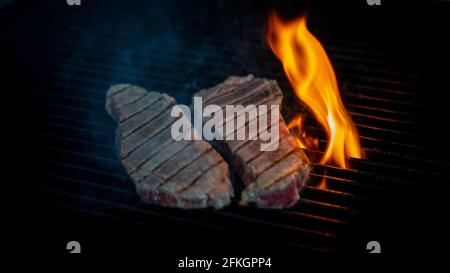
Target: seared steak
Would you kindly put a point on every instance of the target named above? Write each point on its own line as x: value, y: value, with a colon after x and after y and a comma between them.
x: 272, y: 179
x: 184, y: 173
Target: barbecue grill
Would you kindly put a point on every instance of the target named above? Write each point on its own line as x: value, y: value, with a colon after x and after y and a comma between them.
x: 58, y: 61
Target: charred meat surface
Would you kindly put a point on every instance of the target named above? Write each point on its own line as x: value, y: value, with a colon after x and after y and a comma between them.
x: 184, y: 173
x: 272, y: 179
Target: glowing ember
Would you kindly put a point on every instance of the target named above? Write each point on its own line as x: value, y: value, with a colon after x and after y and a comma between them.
x: 312, y: 77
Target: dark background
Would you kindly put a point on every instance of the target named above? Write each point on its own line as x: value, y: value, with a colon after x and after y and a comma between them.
x: 52, y: 53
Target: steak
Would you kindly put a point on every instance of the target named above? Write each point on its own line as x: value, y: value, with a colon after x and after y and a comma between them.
x: 184, y: 173
x: 272, y: 179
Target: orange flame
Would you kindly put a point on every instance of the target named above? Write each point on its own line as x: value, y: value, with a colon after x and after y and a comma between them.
x: 312, y: 77
x: 323, y: 184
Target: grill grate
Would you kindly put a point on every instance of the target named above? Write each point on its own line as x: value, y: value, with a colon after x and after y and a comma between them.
x: 58, y: 75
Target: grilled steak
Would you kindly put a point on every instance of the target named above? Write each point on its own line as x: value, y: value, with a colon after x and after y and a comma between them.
x: 272, y: 179
x: 183, y: 174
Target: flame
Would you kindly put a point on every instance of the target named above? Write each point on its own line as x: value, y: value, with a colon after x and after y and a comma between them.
x: 323, y: 184
x: 312, y: 77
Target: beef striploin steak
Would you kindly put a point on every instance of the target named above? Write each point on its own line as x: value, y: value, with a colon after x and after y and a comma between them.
x: 184, y: 173
x: 272, y: 179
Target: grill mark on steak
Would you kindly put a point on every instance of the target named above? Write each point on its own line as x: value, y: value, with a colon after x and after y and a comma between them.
x: 276, y: 193
x: 261, y: 162
x: 169, y: 169
x: 273, y: 183
x: 237, y: 148
x: 198, y: 177
x: 155, y: 144
x: 224, y: 90
x: 123, y: 100
x: 200, y: 187
x: 143, y: 118
x: 178, y: 182
x: 283, y: 140
x: 259, y: 159
x: 150, y: 139
x: 235, y: 128
x: 284, y: 193
x: 151, y: 164
x: 252, y: 146
x: 138, y: 106
x: 122, y: 88
x: 256, y: 161
x: 267, y: 101
x: 213, y: 196
x: 287, y: 164
x: 228, y: 86
x: 183, y: 148
x: 134, y: 141
x: 235, y: 145
x: 240, y: 93
x: 260, y: 97
x: 273, y: 163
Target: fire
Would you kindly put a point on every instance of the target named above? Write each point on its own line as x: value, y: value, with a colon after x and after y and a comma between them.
x: 312, y: 77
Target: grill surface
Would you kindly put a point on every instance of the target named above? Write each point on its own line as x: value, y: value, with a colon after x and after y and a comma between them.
x: 60, y: 61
